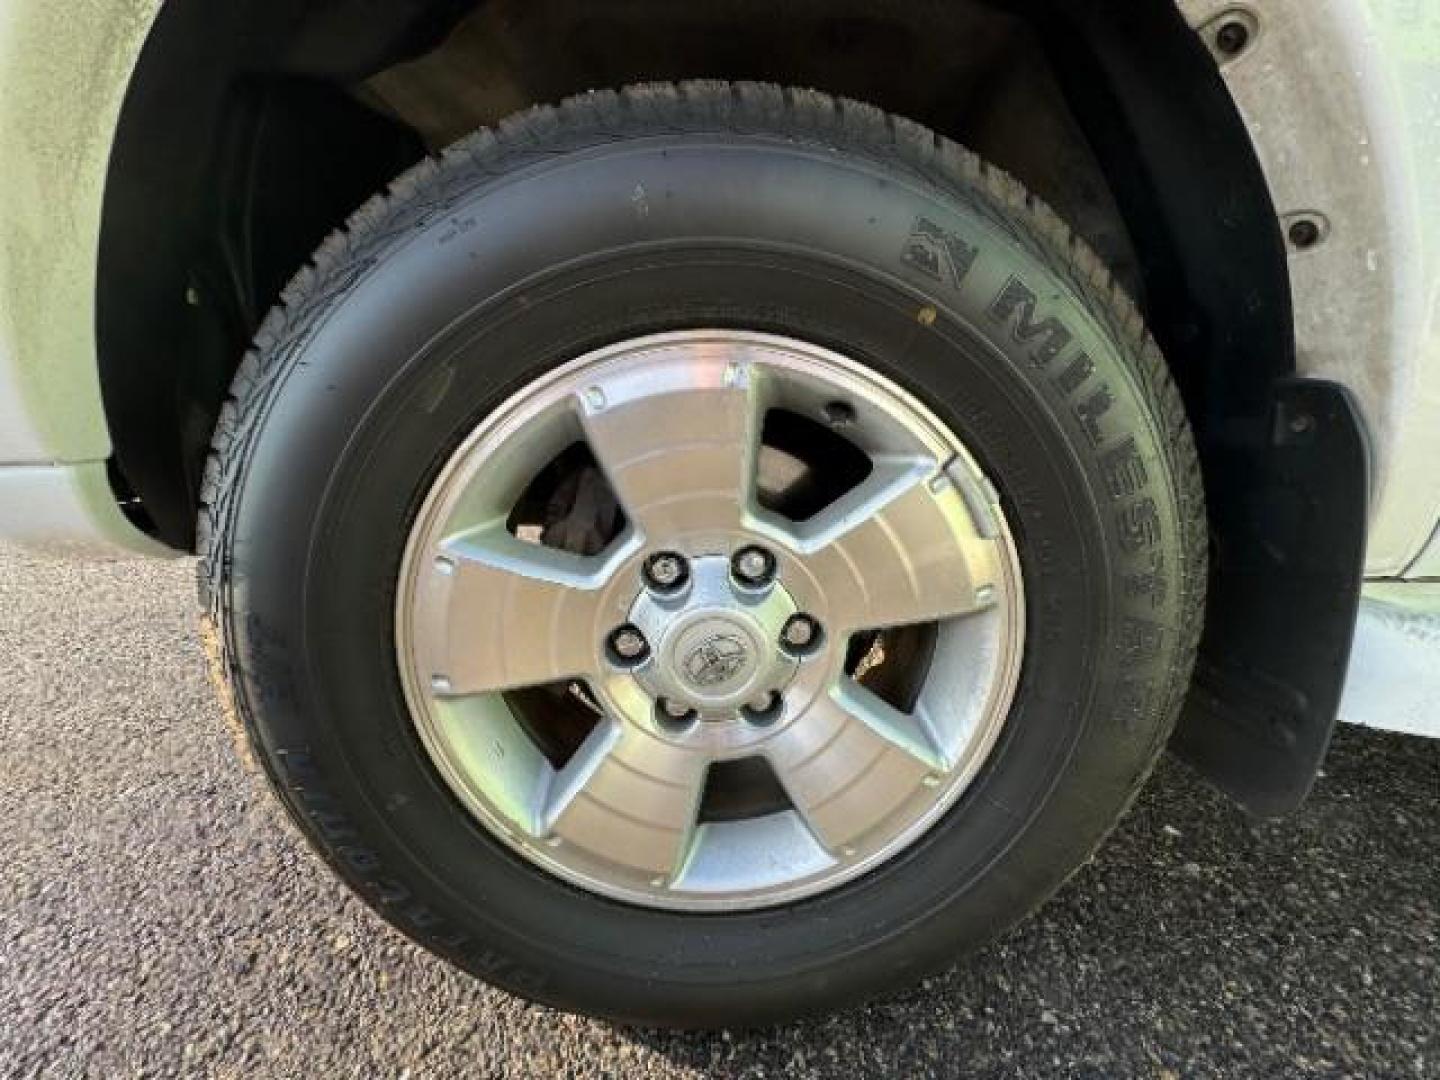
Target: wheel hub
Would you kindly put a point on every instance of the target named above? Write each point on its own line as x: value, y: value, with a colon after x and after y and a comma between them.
x: 717, y: 643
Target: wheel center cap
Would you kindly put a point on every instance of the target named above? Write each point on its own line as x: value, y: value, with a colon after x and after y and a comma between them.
x: 717, y: 643
x: 714, y: 656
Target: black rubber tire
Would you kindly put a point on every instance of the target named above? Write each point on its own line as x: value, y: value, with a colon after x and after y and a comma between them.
x: 667, y: 207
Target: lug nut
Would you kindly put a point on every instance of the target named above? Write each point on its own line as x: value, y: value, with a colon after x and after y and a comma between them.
x: 753, y: 565
x: 839, y: 413
x: 666, y: 571
x: 1232, y: 38
x: 673, y: 716
x: 628, y: 643
x: 764, y: 710
x: 801, y: 633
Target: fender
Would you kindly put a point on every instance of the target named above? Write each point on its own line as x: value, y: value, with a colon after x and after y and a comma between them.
x: 1337, y: 96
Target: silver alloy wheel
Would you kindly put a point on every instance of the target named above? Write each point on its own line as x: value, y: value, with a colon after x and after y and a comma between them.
x: 675, y: 423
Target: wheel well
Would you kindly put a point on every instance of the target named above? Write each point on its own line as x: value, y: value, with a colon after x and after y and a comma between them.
x: 252, y: 130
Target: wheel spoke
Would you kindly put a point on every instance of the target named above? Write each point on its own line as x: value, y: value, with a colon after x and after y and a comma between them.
x: 497, y: 613
x: 628, y: 798
x: 850, y: 762
x: 677, y: 439
x: 903, y: 547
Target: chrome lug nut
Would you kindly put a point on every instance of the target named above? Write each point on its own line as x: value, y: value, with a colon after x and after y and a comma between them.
x: 673, y: 716
x: 666, y: 571
x: 753, y: 566
x: 764, y: 710
x: 801, y: 633
x: 628, y: 644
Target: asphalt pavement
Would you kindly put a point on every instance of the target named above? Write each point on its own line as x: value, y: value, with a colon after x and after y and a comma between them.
x: 158, y: 917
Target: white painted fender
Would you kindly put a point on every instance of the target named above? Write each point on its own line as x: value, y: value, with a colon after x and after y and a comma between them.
x: 1342, y: 100
x: 64, y: 69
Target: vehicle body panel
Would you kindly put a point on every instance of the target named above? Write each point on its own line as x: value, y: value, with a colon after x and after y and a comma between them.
x: 65, y: 69
x: 1393, y: 681
x: 69, y: 509
x: 1339, y: 96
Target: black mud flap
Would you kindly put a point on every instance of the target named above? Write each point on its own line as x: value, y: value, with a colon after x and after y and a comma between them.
x: 1287, y: 560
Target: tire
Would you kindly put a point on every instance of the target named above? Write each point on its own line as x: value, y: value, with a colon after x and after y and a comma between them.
x: 663, y: 208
